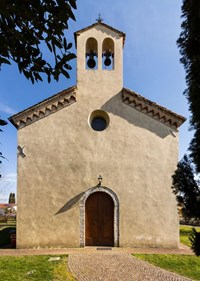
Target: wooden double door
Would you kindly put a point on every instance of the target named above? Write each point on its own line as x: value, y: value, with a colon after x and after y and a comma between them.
x: 99, y: 220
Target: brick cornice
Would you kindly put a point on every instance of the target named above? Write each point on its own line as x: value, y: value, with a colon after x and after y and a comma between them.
x: 44, y: 108
x: 152, y: 109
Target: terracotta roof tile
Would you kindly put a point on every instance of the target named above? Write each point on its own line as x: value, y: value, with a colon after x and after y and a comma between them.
x: 44, y: 108
x: 152, y: 109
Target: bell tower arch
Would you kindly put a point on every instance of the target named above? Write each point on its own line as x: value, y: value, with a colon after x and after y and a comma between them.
x: 91, y: 53
x: 108, y: 51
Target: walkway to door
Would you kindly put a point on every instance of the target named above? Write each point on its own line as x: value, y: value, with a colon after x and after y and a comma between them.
x: 92, y: 263
x: 116, y: 267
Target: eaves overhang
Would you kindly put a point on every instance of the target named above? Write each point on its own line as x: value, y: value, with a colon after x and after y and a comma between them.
x: 122, y: 34
x: 152, y: 109
x: 44, y: 108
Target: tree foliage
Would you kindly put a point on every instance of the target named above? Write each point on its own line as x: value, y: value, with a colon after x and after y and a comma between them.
x: 2, y: 123
x: 186, y: 189
x: 195, y: 240
x: 11, y: 199
x: 27, y: 27
x: 189, y: 46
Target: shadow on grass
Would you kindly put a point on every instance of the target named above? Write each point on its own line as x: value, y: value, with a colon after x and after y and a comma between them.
x: 5, y: 241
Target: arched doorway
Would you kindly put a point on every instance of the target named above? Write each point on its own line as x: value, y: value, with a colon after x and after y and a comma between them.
x: 99, y: 220
x: 84, y: 198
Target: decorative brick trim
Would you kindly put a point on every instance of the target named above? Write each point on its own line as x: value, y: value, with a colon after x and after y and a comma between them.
x: 152, y: 109
x: 116, y: 212
x: 44, y: 108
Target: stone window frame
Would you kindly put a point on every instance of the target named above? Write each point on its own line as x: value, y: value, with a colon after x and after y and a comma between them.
x: 98, y: 113
x: 116, y: 212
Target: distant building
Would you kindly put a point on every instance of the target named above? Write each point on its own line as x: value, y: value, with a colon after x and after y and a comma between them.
x: 95, y: 160
x: 7, y: 208
x: 2, y: 209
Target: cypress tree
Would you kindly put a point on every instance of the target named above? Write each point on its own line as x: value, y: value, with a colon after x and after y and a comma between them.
x: 189, y: 46
x: 11, y: 198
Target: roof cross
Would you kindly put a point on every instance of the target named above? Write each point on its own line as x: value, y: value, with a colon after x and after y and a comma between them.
x: 99, y: 18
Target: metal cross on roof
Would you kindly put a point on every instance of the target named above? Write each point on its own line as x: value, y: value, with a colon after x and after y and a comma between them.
x: 99, y: 18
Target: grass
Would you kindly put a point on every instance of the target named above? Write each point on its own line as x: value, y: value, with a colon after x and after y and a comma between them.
x: 185, y: 265
x: 188, y: 266
x: 185, y: 232
x: 34, y: 268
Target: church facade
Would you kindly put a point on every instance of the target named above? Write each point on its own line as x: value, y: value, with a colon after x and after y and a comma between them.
x: 95, y: 161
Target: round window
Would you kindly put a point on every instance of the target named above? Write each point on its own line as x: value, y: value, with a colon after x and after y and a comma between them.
x: 98, y: 124
x: 99, y: 120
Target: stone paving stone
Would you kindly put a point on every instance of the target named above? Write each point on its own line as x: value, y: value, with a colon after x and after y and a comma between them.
x: 116, y: 267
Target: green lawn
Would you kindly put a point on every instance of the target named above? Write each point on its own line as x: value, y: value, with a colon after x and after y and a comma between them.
x: 185, y: 232
x: 34, y: 268
x: 188, y: 266
x: 185, y: 265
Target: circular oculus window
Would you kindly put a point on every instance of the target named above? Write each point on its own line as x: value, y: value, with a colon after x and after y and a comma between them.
x: 99, y: 120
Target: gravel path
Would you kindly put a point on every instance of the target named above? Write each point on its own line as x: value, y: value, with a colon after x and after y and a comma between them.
x: 116, y: 267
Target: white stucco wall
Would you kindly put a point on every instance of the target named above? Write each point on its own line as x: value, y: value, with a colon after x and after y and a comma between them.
x: 136, y: 155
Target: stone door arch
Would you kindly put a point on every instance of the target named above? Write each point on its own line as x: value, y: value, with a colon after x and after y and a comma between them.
x: 82, y: 213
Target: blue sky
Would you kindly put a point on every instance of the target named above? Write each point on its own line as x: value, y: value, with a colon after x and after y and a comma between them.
x: 151, y: 68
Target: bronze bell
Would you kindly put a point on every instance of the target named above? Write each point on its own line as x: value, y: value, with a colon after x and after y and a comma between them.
x: 107, y: 61
x: 91, y: 63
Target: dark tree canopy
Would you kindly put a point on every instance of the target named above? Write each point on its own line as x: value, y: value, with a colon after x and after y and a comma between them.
x: 2, y: 123
x: 189, y: 46
x: 187, y: 189
x: 26, y: 27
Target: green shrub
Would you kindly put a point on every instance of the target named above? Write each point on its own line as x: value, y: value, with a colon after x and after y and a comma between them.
x: 195, y: 240
x: 5, y: 235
